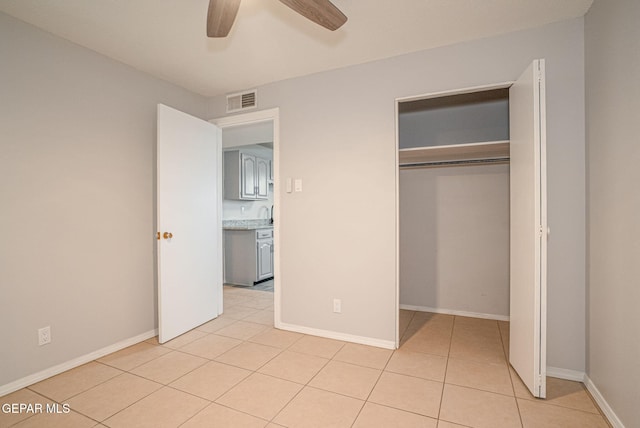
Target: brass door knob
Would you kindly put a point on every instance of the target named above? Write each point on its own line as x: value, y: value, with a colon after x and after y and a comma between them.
x: 167, y: 235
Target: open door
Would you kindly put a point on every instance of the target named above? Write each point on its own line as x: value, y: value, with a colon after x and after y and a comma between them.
x: 189, y: 178
x: 528, y: 271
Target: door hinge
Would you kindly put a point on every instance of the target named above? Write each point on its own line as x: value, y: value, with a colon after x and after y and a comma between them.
x: 540, y: 232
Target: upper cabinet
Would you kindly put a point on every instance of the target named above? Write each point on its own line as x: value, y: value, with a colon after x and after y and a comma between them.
x: 262, y: 178
x: 245, y: 176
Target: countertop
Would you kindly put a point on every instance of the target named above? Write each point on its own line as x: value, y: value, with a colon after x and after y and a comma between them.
x: 246, y: 224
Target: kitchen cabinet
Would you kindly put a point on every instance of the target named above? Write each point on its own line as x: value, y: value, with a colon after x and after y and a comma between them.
x: 271, y: 172
x: 245, y: 176
x: 264, y: 247
x: 248, y: 256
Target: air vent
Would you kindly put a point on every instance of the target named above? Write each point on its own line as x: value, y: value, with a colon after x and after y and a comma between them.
x: 242, y: 101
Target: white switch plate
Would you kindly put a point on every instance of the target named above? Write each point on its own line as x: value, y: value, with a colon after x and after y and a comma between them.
x: 298, y: 185
x: 337, y: 306
x: 289, y: 185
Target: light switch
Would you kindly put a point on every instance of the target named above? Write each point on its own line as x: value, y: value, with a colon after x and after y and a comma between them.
x: 298, y: 184
x: 289, y: 187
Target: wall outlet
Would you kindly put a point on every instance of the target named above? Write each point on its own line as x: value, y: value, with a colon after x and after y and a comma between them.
x: 337, y: 306
x: 44, y: 335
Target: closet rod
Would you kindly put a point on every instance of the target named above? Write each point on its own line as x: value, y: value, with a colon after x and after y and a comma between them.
x: 465, y: 162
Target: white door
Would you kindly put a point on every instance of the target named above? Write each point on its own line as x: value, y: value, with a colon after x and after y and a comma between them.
x: 528, y: 271
x: 189, y: 222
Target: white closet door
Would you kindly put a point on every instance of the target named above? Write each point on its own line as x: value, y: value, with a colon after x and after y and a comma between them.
x: 528, y: 271
x: 189, y: 188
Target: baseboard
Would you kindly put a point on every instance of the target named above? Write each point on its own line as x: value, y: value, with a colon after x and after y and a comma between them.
x: 362, y: 340
x: 566, y: 374
x: 604, y: 406
x: 455, y: 312
x: 68, y: 365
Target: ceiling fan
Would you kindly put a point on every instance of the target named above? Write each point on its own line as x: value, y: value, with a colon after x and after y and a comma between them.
x: 222, y: 13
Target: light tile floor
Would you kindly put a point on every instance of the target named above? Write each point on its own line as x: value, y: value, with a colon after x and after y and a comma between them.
x: 238, y: 371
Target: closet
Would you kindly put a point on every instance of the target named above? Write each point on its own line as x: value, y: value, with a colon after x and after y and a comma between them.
x: 472, y: 210
x: 454, y: 204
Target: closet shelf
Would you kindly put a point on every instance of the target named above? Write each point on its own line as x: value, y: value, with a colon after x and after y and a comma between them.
x: 458, y: 154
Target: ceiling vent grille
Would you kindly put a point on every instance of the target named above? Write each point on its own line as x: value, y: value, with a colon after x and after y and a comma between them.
x: 242, y: 101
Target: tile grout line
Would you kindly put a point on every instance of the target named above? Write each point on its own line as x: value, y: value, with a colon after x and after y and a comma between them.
x: 446, y: 368
x: 366, y: 400
x: 306, y: 385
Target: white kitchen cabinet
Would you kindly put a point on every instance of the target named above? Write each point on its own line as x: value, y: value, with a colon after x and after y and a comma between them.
x: 262, y: 178
x: 264, y: 248
x: 248, y: 256
x: 245, y: 176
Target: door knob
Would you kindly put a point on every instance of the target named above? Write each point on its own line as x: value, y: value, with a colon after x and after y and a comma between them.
x: 167, y: 235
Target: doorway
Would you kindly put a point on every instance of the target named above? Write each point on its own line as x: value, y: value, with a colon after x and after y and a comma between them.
x: 257, y: 133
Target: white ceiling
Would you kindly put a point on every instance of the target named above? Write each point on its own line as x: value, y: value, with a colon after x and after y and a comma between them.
x: 270, y: 42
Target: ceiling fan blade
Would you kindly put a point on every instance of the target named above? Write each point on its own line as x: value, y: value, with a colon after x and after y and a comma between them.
x: 220, y: 17
x: 322, y: 12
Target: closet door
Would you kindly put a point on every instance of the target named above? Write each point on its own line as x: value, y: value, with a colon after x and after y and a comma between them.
x: 528, y: 270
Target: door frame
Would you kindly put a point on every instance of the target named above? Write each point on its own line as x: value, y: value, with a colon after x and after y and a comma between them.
x: 268, y: 115
x: 448, y: 92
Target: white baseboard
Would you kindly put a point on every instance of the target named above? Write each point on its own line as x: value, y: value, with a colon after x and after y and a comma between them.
x: 68, y: 365
x: 566, y: 374
x: 362, y: 340
x: 604, y: 406
x: 455, y: 312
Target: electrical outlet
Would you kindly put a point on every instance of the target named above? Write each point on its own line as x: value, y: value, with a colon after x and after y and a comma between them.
x: 337, y: 306
x: 44, y: 335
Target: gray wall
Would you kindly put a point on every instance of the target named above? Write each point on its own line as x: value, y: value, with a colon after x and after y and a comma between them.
x: 612, y: 37
x: 454, y: 239
x: 77, y: 155
x: 337, y: 133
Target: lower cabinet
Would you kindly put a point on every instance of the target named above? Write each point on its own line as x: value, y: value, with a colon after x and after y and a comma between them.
x: 264, y: 247
x: 248, y: 256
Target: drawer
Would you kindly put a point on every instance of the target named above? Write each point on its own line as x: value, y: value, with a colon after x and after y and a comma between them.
x: 264, y: 233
